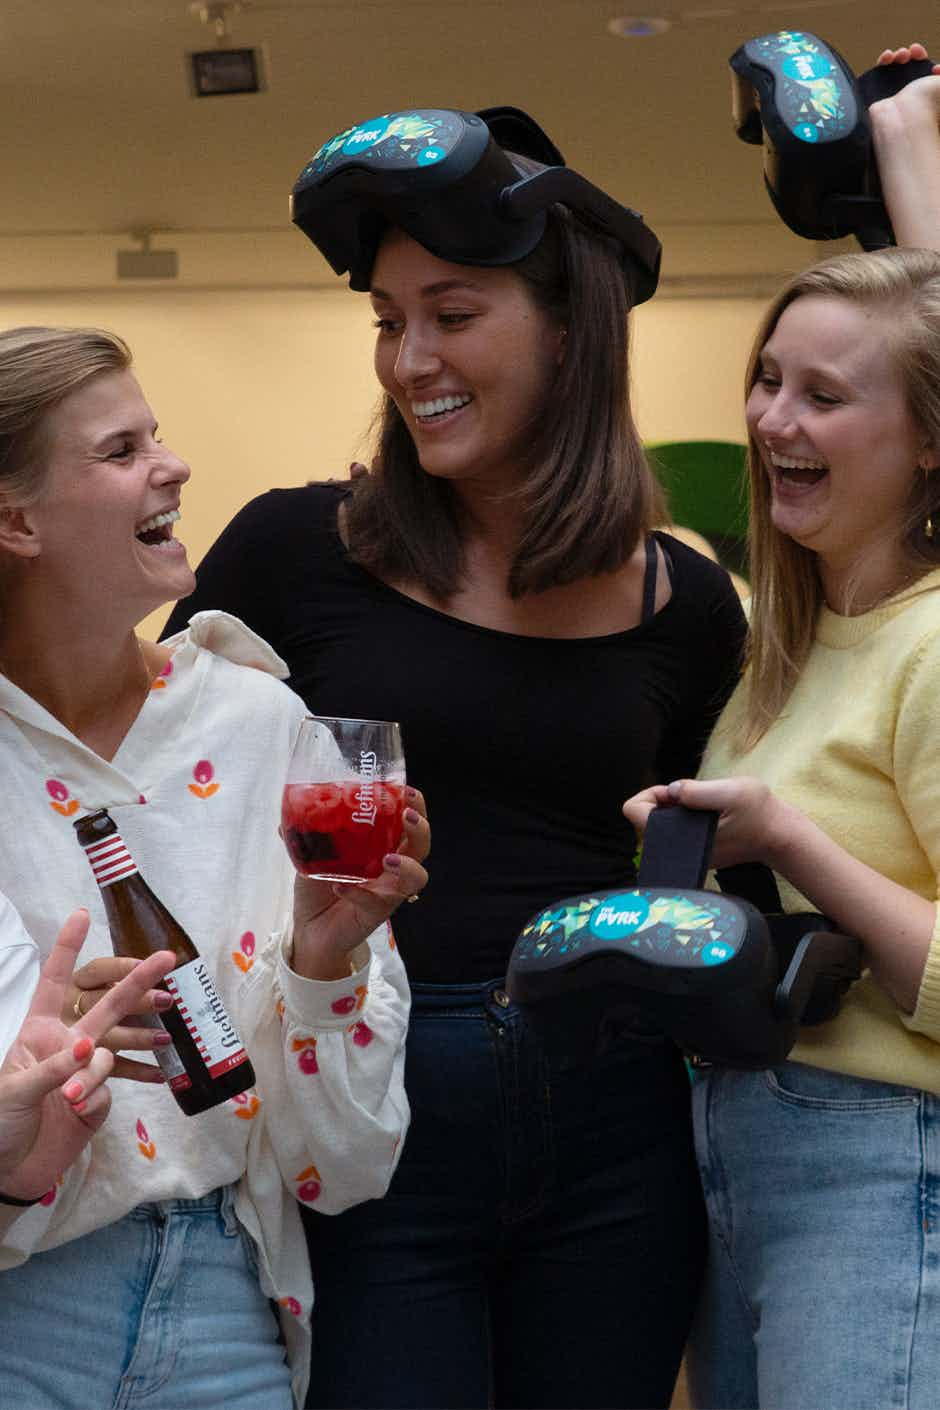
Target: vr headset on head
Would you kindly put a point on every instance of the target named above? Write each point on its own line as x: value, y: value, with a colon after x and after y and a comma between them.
x: 797, y: 96
x: 447, y: 179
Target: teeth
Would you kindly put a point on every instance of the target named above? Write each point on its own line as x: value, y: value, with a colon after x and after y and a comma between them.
x: 435, y: 408
x: 157, y: 521
x: 795, y: 462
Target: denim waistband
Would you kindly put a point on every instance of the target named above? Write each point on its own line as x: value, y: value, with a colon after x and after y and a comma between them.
x: 216, y: 1202
x: 465, y: 998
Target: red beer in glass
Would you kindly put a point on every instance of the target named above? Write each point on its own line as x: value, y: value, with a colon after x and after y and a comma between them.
x: 344, y: 797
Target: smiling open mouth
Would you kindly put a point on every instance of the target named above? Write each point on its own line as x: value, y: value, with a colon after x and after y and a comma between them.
x: 429, y: 411
x: 158, y: 529
x: 794, y: 470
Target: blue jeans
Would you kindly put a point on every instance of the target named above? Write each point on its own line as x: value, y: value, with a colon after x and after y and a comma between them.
x: 542, y: 1240
x: 823, y: 1283
x: 159, y: 1311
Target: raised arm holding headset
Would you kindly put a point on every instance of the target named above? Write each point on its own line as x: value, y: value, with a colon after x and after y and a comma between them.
x: 820, y: 1173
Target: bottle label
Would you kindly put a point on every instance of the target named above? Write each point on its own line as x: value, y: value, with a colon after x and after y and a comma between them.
x: 203, y: 1012
x: 110, y: 860
x: 168, y: 1059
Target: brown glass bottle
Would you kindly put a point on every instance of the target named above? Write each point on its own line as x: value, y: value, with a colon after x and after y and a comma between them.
x: 206, y: 1062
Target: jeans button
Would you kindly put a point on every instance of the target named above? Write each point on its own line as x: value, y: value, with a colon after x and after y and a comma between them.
x: 502, y: 998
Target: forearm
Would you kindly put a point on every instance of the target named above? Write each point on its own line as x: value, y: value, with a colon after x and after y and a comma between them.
x: 894, y: 925
x: 906, y: 135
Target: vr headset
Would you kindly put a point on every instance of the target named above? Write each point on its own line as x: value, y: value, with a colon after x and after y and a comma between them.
x: 447, y: 178
x: 796, y: 95
x: 730, y: 980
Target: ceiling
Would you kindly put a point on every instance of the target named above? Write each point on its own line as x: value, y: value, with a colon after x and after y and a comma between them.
x: 102, y: 133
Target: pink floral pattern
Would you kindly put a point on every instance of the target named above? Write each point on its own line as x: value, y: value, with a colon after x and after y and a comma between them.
x: 61, y: 802
x: 205, y: 784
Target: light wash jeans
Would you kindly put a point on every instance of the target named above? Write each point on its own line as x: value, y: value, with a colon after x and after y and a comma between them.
x: 823, y: 1284
x: 159, y: 1311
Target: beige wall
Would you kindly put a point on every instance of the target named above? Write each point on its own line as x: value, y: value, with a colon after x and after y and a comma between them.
x: 274, y: 387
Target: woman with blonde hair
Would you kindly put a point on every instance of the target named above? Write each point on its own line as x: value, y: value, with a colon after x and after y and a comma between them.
x: 185, y: 1228
x: 820, y: 1174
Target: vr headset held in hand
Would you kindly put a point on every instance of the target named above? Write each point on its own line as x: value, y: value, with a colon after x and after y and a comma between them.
x: 797, y: 96
x: 448, y: 179
x: 729, y: 980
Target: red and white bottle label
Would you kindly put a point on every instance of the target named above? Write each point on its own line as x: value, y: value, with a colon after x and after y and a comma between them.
x: 110, y: 859
x: 203, y: 1012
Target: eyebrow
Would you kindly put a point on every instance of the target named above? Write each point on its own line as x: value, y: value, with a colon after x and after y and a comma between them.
x: 430, y: 291
x: 126, y: 433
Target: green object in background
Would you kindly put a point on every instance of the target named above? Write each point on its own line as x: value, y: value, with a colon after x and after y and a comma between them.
x: 706, y: 484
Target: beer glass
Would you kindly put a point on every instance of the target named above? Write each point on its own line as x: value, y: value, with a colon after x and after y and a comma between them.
x: 344, y: 798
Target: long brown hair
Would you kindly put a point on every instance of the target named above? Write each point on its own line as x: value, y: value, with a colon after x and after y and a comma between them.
x: 587, y: 494
x: 903, y: 286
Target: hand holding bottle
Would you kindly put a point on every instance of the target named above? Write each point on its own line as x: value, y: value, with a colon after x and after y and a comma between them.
x: 332, y: 918
x: 52, y: 1093
x: 90, y: 984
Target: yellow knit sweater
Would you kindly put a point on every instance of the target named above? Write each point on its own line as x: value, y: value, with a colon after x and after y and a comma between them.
x: 857, y: 749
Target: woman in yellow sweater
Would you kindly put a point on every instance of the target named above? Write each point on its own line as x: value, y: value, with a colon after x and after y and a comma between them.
x: 822, y: 1176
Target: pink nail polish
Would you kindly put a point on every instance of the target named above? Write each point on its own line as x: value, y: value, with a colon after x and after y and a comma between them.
x: 72, y: 1090
x: 392, y: 861
x: 411, y: 792
x: 79, y: 1106
x: 161, y: 1040
x: 412, y: 816
x: 162, y: 1001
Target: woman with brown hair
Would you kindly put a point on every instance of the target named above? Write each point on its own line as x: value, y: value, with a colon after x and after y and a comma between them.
x: 496, y: 586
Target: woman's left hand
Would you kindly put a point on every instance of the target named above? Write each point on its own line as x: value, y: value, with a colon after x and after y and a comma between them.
x: 753, y: 824
x: 332, y: 918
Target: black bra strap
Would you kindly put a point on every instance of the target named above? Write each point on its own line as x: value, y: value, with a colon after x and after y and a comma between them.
x: 649, y: 580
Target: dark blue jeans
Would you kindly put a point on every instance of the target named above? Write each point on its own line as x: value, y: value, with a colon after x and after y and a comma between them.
x: 542, y: 1241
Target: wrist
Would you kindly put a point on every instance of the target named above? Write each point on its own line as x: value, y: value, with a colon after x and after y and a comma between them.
x: 782, y: 835
x: 318, y: 961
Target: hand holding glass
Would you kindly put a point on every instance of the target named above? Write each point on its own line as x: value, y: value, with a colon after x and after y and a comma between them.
x: 344, y: 798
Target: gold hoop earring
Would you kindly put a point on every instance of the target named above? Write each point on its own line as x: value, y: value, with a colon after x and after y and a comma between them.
x: 928, y: 525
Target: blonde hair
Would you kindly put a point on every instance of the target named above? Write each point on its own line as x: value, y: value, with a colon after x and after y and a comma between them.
x: 39, y: 367
x: 904, y: 287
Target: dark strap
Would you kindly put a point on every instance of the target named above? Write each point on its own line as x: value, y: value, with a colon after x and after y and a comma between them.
x: 649, y: 580
x: 676, y: 847
x: 753, y: 882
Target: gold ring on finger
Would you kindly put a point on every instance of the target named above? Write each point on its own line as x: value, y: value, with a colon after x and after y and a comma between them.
x: 77, y: 1006
x: 414, y: 897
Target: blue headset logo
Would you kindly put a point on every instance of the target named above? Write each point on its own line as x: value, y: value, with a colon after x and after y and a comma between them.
x: 620, y: 915
x: 806, y: 67
x: 362, y: 137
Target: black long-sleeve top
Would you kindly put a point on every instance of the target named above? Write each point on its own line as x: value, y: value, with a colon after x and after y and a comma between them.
x: 525, y: 747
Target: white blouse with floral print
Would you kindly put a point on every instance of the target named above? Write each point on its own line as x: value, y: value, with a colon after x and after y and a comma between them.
x: 195, y: 791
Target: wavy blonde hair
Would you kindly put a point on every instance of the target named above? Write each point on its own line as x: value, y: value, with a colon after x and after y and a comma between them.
x: 903, y: 287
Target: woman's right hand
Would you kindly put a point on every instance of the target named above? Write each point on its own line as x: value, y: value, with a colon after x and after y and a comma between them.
x: 906, y: 136
x: 53, y: 1095
x: 93, y: 982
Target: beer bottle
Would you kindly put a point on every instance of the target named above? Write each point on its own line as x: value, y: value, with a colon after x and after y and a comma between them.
x: 206, y: 1062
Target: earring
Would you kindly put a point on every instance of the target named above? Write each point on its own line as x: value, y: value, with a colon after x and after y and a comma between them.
x: 928, y: 525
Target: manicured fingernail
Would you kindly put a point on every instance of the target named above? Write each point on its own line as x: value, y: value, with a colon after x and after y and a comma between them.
x: 411, y: 792
x: 392, y: 861
x: 82, y: 1048
x: 72, y: 1090
x: 162, y: 1040
x: 79, y: 1107
x: 163, y: 1001
x: 412, y: 816
x: 675, y: 788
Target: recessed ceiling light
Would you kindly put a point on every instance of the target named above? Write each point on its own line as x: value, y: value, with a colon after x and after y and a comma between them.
x: 638, y: 26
